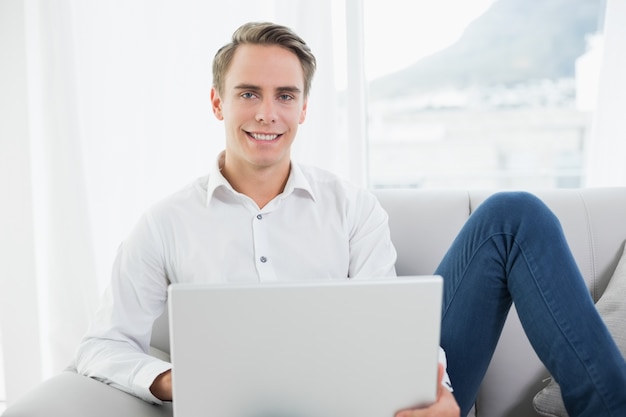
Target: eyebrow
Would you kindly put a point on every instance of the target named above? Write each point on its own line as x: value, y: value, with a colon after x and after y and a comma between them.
x: 289, y: 89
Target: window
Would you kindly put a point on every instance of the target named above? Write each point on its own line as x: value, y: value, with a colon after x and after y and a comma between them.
x: 495, y: 95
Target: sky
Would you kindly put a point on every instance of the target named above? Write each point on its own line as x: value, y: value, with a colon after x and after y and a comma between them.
x: 417, y: 27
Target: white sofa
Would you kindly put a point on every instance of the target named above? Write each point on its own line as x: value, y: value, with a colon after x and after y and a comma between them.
x: 423, y: 224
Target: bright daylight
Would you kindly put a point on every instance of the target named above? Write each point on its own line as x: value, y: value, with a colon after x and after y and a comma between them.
x: 329, y: 208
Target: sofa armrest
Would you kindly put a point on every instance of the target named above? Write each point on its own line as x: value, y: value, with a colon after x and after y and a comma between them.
x: 72, y: 395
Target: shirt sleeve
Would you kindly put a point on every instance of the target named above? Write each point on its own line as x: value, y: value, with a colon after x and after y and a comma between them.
x: 115, y: 348
x: 372, y: 253
x: 446, y: 378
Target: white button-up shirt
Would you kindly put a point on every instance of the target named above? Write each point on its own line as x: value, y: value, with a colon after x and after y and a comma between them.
x: 319, y: 228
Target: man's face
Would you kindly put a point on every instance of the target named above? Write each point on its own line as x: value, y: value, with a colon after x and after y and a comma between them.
x: 262, y: 105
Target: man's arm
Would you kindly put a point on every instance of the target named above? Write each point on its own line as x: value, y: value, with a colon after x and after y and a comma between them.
x: 115, y: 348
x: 372, y: 253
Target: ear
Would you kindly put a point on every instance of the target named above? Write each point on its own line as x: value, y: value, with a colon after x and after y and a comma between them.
x: 303, y: 112
x: 216, y: 104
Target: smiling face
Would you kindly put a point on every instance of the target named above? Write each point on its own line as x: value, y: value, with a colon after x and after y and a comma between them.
x: 262, y: 104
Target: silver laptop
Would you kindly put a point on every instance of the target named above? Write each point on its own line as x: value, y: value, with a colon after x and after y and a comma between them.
x: 366, y: 348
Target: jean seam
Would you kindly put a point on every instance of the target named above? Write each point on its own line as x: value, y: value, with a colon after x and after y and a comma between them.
x: 589, y: 369
x: 469, y: 262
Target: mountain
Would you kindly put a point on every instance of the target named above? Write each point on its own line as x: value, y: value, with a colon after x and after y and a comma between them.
x: 513, y: 42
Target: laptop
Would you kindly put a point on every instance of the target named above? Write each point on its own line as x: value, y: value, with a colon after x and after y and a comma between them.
x: 366, y: 348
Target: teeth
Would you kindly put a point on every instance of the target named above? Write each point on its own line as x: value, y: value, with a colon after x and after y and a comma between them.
x: 259, y: 136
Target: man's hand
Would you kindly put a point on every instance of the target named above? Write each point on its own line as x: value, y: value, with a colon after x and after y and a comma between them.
x: 445, y: 406
x: 162, y: 386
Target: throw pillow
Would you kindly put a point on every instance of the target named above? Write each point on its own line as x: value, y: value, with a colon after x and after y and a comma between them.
x: 612, y: 308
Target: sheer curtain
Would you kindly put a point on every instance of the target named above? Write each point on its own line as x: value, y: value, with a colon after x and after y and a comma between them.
x: 607, y: 145
x: 109, y: 111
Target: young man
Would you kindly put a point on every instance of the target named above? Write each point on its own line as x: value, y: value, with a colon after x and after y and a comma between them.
x: 258, y: 216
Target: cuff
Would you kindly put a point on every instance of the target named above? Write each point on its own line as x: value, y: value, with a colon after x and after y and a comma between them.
x: 446, y: 378
x: 146, y: 376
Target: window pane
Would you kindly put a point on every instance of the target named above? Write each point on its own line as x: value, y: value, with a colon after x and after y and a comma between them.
x: 488, y: 94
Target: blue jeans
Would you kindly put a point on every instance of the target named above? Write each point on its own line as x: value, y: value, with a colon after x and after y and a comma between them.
x: 512, y: 249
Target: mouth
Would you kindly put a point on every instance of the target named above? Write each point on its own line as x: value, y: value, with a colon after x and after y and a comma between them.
x: 264, y: 137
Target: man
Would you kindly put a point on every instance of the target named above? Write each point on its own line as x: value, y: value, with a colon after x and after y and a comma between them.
x: 221, y: 226
x: 259, y: 216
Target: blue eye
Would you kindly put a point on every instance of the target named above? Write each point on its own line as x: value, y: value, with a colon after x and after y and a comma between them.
x: 248, y: 95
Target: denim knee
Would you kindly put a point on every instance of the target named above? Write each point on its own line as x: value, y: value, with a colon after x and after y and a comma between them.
x: 515, y: 209
x: 514, y: 204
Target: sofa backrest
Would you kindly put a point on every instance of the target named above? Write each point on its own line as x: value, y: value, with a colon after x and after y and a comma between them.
x: 423, y: 224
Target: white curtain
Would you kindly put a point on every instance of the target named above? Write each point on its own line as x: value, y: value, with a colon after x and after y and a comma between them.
x: 109, y: 111
x: 606, y: 151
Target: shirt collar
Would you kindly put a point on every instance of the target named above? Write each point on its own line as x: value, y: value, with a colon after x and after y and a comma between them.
x: 216, y: 179
x: 296, y: 181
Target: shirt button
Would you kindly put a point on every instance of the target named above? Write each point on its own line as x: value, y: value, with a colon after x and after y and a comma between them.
x: 258, y: 216
x: 263, y: 259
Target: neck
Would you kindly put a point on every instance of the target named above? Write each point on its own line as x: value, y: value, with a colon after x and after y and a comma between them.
x: 261, y: 184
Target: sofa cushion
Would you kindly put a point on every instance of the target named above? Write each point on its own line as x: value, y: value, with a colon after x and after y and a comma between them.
x: 612, y: 308
x: 72, y: 395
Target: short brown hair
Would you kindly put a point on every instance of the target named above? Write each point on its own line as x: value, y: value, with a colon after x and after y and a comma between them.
x: 264, y: 33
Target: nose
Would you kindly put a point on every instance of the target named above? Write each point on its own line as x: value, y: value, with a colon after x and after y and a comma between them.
x: 266, y: 112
